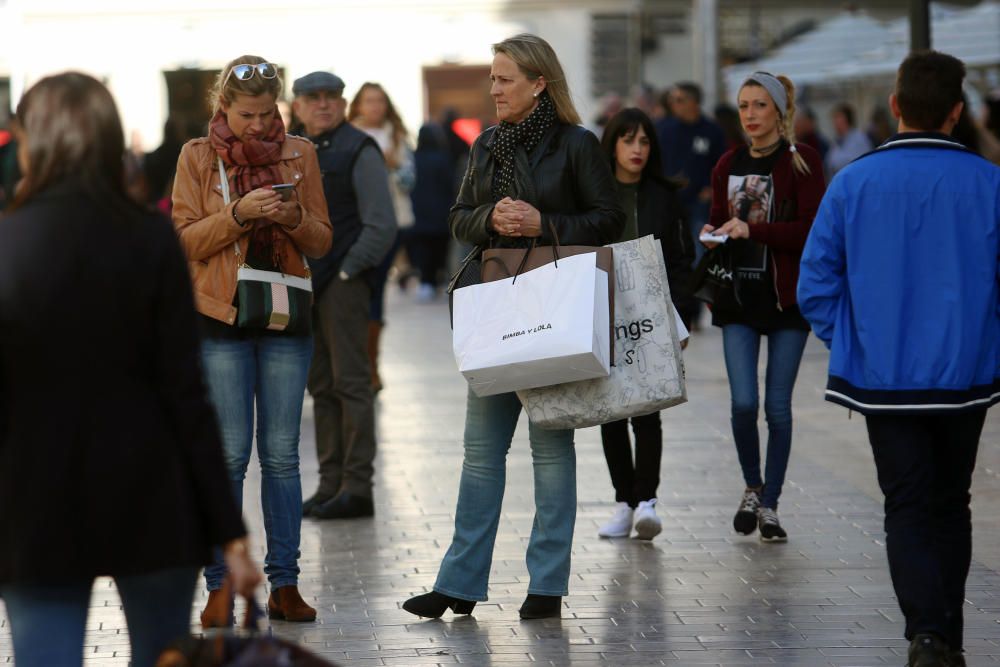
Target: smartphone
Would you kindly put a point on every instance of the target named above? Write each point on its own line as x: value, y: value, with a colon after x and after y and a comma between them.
x: 284, y: 189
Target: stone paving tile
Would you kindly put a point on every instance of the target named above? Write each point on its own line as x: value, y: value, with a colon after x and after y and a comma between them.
x: 697, y: 595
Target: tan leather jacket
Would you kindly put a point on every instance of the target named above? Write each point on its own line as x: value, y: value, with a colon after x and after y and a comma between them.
x: 207, y: 229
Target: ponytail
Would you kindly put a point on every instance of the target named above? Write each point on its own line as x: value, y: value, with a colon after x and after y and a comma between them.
x: 788, y: 125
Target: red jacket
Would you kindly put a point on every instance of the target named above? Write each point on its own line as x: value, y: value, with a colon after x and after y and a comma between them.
x: 796, y: 199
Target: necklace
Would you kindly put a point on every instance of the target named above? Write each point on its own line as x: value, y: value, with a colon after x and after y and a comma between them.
x: 766, y: 149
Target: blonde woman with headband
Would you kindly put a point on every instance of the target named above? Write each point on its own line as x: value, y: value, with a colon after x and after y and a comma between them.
x: 535, y: 172
x: 256, y: 376
x: 764, y: 198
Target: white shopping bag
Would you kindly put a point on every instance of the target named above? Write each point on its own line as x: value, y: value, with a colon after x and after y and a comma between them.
x: 548, y: 326
x: 648, y: 374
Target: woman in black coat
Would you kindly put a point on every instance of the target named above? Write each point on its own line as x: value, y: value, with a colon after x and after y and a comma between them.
x: 651, y: 207
x: 110, y: 458
x: 535, y: 172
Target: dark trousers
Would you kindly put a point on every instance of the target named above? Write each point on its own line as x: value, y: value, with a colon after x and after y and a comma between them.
x: 428, y: 253
x: 634, y: 482
x: 925, y: 465
x: 341, y: 386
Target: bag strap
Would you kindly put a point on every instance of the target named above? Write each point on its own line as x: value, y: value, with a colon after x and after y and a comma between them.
x: 534, y: 242
x: 224, y: 182
x: 226, y: 197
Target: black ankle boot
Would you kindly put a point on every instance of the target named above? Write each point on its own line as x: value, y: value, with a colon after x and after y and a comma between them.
x: 541, y: 606
x: 433, y: 604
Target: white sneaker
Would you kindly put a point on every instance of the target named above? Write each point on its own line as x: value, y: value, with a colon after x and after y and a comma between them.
x: 647, y: 524
x: 620, y: 524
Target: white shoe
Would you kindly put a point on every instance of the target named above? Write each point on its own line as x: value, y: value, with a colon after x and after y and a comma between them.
x: 647, y: 524
x: 620, y: 524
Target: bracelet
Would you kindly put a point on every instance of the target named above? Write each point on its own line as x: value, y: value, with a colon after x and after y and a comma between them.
x: 238, y: 222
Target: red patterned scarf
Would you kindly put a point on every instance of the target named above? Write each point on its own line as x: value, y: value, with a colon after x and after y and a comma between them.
x: 256, y: 160
x: 256, y: 165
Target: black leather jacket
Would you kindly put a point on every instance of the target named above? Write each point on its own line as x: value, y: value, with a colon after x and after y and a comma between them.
x: 566, y: 178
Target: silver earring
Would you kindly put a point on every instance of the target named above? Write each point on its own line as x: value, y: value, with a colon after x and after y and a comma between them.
x: 536, y: 94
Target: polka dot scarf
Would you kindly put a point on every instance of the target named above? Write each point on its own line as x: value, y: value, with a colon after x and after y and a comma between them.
x: 526, y: 133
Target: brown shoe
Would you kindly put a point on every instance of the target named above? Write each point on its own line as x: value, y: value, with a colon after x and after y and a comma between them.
x: 286, y: 604
x: 218, y: 612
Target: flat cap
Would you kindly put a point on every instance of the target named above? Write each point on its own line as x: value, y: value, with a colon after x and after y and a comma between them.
x: 314, y: 82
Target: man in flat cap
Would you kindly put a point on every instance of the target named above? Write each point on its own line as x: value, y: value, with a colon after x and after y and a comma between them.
x: 356, y: 185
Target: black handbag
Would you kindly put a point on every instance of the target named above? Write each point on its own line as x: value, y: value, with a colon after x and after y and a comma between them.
x: 714, y: 276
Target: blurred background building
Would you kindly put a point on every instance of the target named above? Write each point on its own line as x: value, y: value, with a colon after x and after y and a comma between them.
x: 160, y: 58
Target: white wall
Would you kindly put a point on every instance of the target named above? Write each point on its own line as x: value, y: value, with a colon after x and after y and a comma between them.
x: 129, y: 45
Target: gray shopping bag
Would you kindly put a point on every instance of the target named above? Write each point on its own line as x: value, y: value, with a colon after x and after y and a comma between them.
x: 648, y: 374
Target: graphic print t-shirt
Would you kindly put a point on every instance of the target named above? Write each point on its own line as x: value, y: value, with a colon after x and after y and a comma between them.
x: 751, y: 199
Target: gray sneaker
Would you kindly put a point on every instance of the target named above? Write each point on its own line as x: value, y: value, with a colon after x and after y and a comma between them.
x: 745, y: 521
x: 770, y: 528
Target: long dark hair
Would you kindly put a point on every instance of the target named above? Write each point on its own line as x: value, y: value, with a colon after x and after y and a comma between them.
x: 70, y: 127
x: 626, y: 123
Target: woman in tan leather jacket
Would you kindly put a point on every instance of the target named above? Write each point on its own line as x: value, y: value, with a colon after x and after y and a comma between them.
x: 246, y: 367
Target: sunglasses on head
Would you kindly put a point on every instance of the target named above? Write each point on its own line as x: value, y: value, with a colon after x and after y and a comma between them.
x: 246, y: 72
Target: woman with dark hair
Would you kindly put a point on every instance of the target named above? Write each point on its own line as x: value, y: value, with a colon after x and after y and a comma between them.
x: 764, y: 198
x: 253, y: 374
x: 651, y: 207
x: 534, y: 179
x: 128, y: 481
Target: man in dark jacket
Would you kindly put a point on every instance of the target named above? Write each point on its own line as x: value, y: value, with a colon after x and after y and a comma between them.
x: 691, y: 144
x: 356, y: 185
x: 900, y: 278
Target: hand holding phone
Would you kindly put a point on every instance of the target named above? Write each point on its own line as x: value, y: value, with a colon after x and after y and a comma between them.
x: 284, y: 189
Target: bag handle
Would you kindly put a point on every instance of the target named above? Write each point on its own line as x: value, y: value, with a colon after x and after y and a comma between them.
x: 534, y: 242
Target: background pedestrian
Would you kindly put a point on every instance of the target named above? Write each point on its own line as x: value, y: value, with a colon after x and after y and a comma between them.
x: 254, y: 375
x: 128, y: 481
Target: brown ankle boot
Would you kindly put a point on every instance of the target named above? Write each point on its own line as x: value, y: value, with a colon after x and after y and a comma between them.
x: 286, y: 604
x: 374, y: 336
x: 218, y: 612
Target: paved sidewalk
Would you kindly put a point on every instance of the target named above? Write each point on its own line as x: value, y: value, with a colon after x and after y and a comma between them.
x: 696, y: 595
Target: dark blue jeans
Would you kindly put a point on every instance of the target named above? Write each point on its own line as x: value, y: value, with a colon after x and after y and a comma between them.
x: 267, y: 373
x: 48, y: 621
x: 925, y: 465
x: 741, y: 345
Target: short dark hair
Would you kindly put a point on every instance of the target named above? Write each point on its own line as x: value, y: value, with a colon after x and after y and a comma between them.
x: 690, y: 88
x: 928, y: 86
x: 847, y: 110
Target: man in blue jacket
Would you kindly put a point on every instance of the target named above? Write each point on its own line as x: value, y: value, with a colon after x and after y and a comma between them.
x: 900, y: 278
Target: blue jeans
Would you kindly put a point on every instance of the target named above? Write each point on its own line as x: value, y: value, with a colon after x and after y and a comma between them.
x: 271, y: 372
x: 47, y: 621
x: 741, y: 345
x: 489, y: 427
x: 698, y: 214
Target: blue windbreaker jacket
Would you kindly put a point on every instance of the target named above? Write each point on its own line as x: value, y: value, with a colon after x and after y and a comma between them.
x: 900, y: 277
